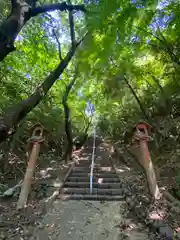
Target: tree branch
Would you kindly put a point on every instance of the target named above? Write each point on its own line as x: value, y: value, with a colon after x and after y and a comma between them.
x: 59, y: 44
x: 169, y: 50
x: 71, y: 25
x: 58, y: 6
x: 56, y: 37
x: 164, y: 42
x: 149, y: 33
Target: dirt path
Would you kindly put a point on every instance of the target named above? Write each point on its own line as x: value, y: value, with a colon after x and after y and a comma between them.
x: 90, y: 220
x: 87, y: 220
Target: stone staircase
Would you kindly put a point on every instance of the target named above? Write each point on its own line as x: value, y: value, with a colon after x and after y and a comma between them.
x: 106, y: 184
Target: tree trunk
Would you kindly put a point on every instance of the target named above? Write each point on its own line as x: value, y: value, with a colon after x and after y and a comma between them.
x: 12, y: 25
x: 9, y: 122
x: 68, y: 130
x: 68, y: 127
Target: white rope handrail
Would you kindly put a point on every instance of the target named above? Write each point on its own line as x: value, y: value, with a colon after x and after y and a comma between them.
x: 92, y: 163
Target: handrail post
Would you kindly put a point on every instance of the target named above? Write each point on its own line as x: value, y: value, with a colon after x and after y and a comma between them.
x: 36, y: 139
x: 142, y: 136
x: 92, y: 163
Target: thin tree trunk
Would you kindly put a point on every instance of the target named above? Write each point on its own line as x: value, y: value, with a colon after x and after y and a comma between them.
x: 67, y: 123
x: 10, y: 120
x: 142, y: 108
x: 167, y: 102
x: 137, y: 99
x: 68, y: 130
x: 160, y: 87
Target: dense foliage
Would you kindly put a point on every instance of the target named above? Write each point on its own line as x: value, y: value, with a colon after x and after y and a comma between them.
x: 128, y: 65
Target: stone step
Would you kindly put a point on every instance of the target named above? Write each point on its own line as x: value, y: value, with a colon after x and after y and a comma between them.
x: 87, y: 179
x: 65, y: 197
x: 89, y: 165
x: 83, y: 165
x: 84, y: 162
x: 88, y: 169
x: 98, y: 175
x: 98, y: 191
x: 81, y: 169
x: 95, y: 185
